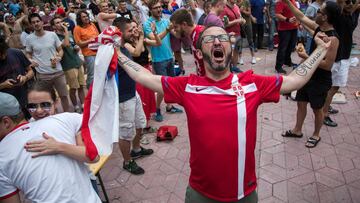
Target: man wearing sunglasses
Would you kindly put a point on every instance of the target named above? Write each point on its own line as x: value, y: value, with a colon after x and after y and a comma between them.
x: 316, y: 90
x: 55, y: 178
x: 221, y: 112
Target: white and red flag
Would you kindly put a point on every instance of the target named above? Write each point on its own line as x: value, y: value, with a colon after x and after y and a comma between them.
x: 100, y: 125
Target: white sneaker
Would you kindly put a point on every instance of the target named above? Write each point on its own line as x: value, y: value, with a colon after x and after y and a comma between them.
x: 253, y: 60
x: 241, y: 62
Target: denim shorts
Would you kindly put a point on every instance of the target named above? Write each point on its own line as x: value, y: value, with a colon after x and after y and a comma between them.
x: 165, y: 68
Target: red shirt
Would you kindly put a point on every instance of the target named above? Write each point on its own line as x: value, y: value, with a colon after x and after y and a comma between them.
x: 232, y: 13
x: 221, y: 119
x: 283, y: 9
x: 200, y: 70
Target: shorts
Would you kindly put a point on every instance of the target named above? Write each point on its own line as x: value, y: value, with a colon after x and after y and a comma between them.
x: 339, y: 73
x: 89, y: 65
x: 176, y: 43
x: 238, y: 44
x: 165, y: 68
x: 192, y: 195
x: 313, y: 92
x: 75, y: 77
x: 57, y: 81
x: 131, y: 117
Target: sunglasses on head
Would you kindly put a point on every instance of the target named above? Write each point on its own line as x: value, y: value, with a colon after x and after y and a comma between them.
x: 31, y: 107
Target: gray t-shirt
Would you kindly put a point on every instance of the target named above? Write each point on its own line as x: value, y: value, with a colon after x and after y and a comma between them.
x: 312, y: 10
x: 43, y: 49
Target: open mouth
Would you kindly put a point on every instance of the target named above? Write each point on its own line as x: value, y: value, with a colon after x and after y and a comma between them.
x: 218, y: 55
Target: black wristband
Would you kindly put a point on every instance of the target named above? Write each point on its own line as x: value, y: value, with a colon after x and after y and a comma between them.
x: 287, y: 20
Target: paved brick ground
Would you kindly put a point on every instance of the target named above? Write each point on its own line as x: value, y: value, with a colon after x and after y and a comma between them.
x: 287, y: 171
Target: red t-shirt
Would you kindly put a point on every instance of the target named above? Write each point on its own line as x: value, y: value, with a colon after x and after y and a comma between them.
x: 283, y: 9
x: 232, y: 13
x: 221, y: 119
x: 200, y: 70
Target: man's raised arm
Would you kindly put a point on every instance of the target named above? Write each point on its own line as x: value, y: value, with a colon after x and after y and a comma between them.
x: 301, y: 17
x: 301, y: 75
x: 139, y: 73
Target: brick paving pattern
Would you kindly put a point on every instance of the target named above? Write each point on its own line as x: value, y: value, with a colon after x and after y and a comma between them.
x: 287, y: 170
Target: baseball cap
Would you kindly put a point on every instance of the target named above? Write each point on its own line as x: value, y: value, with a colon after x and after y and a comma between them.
x: 9, y: 106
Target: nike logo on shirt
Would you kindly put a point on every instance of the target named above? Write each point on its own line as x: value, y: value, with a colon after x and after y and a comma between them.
x: 198, y: 89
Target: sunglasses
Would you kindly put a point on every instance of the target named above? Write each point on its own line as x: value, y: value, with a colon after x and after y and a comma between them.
x: 349, y: 2
x: 211, y: 38
x: 32, y: 107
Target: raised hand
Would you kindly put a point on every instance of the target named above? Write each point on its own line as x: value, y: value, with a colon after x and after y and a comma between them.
x: 321, y: 39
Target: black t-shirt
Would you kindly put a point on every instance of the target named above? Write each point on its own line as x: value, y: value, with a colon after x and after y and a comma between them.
x: 126, y: 14
x: 126, y: 85
x: 344, y: 28
x: 143, y: 59
x: 15, y: 64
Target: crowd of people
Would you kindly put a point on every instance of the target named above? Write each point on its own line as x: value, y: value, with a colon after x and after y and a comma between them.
x: 47, y: 65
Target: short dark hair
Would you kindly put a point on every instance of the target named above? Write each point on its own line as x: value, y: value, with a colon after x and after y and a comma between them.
x: 3, y: 45
x: 42, y: 86
x: 54, y: 18
x: 34, y: 15
x: 78, y: 17
x: 122, y: 1
x: 182, y: 15
x: 121, y: 23
x: 151, y: 3
x: 332, y: 11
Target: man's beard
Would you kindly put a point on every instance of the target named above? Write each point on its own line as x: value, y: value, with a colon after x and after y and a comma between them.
x: 217, y: 68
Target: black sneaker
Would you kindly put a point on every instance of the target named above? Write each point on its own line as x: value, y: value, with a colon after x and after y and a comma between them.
x: 332, y: 110
x: 141, y: 153
x: 133, y: 168
x: 280, y: 70
x: 329, y: 122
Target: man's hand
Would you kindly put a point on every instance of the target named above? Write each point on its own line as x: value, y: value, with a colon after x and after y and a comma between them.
x: 49, y: 146
x: 153, y: 27
x: 321, y: 39
x: 292, y: 19
x: 33, y: 63
x: 8, y: 84
x: 22, y: 80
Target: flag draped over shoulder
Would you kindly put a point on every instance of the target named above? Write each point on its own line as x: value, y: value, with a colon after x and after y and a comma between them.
x: 100, y: 125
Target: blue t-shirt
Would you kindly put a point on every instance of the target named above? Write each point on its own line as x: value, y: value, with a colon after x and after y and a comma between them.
x: 163, y: 52
x: 13, y: 65
x: 257, y: 8
x: 126, y: 85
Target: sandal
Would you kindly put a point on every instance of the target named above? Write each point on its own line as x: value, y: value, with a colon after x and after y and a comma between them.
x: 291, y: 134
x: 149, y: 130
x: 312, y: 141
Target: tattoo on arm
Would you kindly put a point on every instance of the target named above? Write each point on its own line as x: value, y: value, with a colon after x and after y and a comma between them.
x: 131, y: 64
x: 303, y: 68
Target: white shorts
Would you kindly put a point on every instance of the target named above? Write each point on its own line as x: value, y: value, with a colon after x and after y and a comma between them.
x: 131, y: 117
x: 339, y: 72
